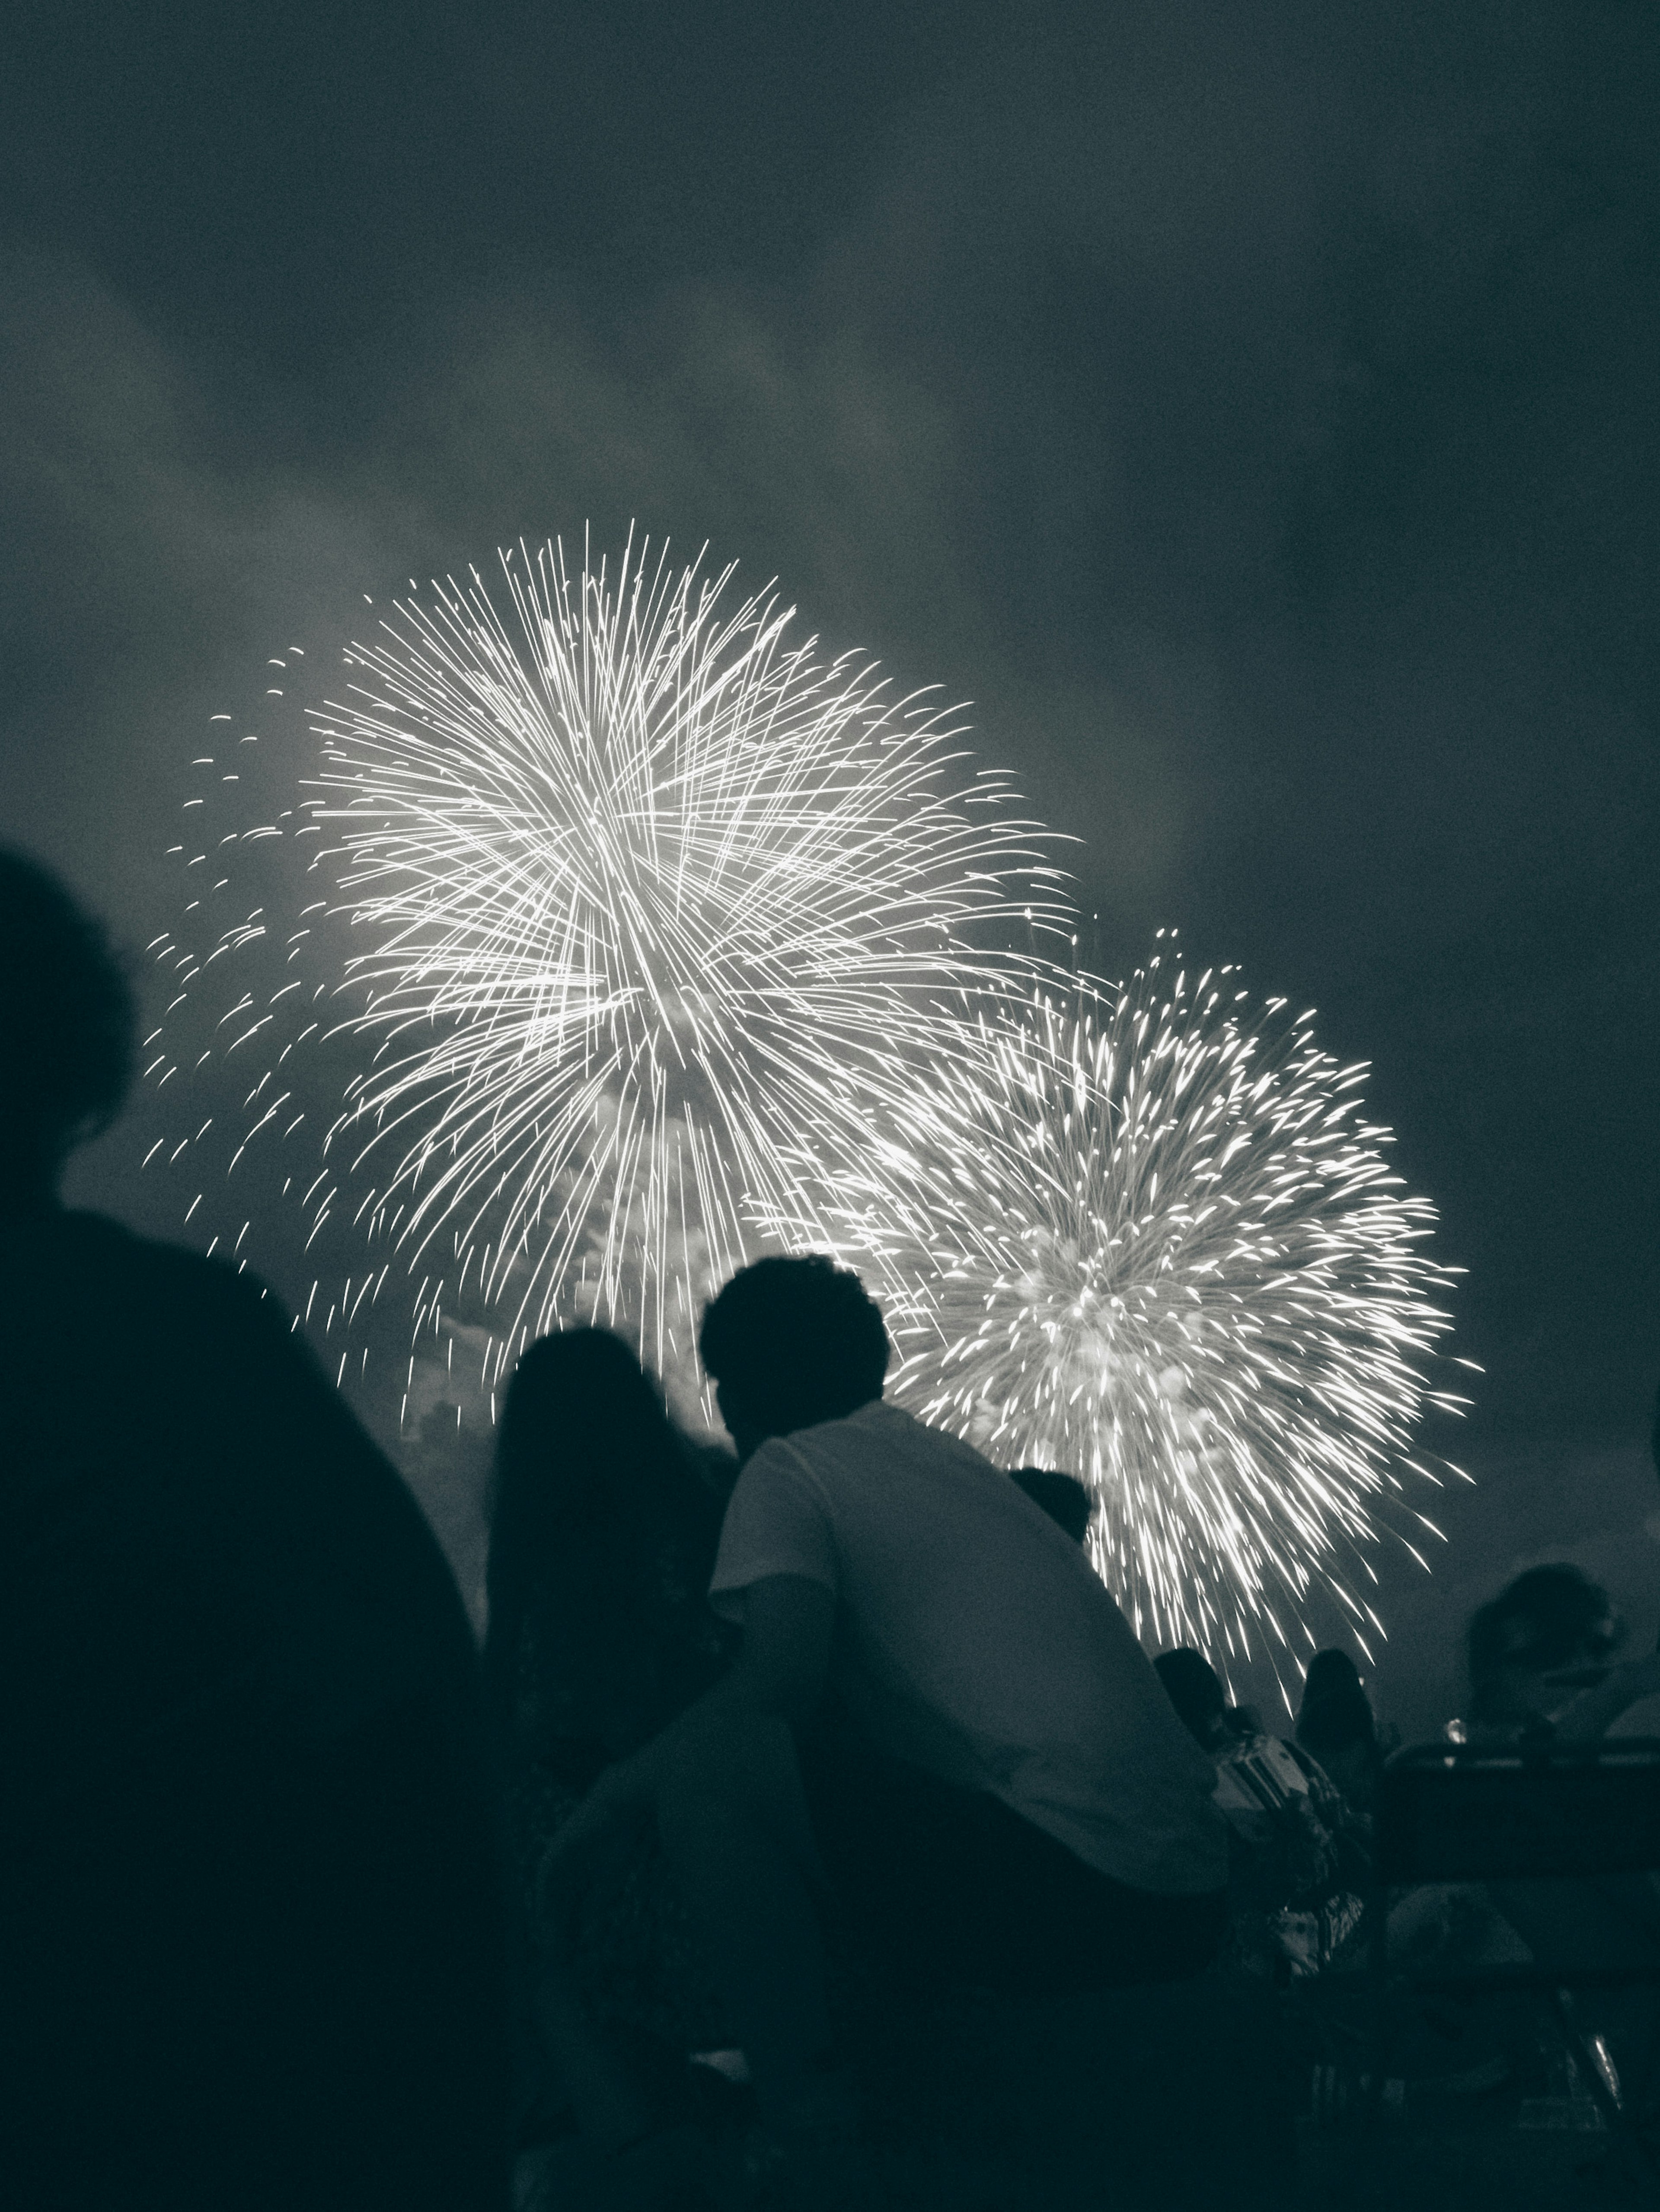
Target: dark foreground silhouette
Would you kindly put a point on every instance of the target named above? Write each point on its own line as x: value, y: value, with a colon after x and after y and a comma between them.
x: 250, y: 1903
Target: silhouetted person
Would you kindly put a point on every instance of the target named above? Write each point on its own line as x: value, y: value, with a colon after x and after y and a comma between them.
x: 940, y: 1720
x: 1194, y: 1688
x: 1543, y: 1662
x: 1336, y: 1725
x: 1062, y: 1496
x: 1544, y: 1665
x: 605, y: 1521
x: 1532, y: 1652
x: 1299, y: 1859
x: 251, y: 1941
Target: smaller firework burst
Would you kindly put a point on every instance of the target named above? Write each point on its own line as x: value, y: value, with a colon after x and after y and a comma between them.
x: 1152, y: 1242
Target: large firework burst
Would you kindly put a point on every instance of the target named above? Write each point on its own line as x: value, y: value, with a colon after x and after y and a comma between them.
x: 1150, y: 1241
x: 641, y: 895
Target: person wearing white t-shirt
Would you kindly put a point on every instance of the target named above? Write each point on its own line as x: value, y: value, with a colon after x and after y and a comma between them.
x: 942, y: 1725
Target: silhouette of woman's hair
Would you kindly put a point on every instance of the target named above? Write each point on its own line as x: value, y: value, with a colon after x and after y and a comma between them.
x: 1334, y: 1710
x: 796, y: 1341
x: 1331, y: 1674
x: 68, y: 1016
x: 584, y: 1438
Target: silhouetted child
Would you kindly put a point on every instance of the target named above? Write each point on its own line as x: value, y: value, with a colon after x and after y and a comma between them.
x: 1062, y: 1496
x: 250, y: 1905
x: 940, y: 1721
x: 1336, y: 1725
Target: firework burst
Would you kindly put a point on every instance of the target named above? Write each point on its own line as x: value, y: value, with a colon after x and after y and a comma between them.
x: 1151, y: 1242
x: 639, y: 894
x: 635, y: 939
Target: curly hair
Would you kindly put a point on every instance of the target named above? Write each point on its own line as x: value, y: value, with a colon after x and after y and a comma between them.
x: 68, y: 1014
x: 797, y: 1341
x: 1542, y: 1619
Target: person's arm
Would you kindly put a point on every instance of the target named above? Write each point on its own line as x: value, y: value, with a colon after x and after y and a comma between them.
x: 779, y: 1674
x: 784, y: 1664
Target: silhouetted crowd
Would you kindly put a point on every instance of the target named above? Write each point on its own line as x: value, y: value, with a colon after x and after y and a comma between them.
x: 306, y: 1904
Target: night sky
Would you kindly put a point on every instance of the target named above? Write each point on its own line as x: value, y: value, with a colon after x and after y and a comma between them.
x: 1249, y: 408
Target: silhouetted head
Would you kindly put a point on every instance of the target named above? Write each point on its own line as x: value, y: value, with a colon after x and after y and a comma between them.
x: 67, y: 1019
x: 1337, y: 1725
x: 1062, y: 1496
x: 585, y: 1442
x: 1331, y: 1674
x: 581, y: 1417
x: 1197, y: 1693
x: 792, y: 1342
x: 1335, y: 1712
x: 1546, y: 1636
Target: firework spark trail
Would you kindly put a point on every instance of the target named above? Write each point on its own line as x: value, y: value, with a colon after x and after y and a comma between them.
x: 1154, y: 1246
x: 646, y: 894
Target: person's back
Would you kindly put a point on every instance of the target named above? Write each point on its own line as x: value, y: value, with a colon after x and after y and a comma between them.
x: 993, y: 1765
x: 249, y: 1904
x: 975, y: 1641
x: 602, y: 1530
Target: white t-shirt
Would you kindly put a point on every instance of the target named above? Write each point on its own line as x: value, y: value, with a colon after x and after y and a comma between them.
x: 974, y: 1640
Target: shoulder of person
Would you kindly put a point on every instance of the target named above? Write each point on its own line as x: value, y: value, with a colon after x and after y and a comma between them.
x: 169, y: 1277
x: 124, y: 1319
x: 871, y: 1435
x: 788, y: 1459
x: 881, y: 1429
